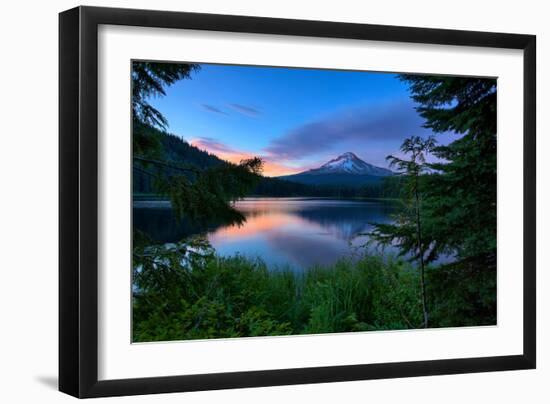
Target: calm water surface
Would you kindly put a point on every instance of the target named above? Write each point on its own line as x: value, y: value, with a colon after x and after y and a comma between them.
x: 284, y: 232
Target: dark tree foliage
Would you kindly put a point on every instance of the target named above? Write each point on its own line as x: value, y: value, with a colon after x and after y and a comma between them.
x: 463, y: 293
x: 460, y: 202
x: 455, y: 208
x: 172, y: 151
x: 149, y: 79
x: 388, y: 187
x: 407, y: 232
x: 176, y: 149
x: 208, y: 194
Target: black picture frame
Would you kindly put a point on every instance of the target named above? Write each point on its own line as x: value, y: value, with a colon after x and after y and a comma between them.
x: 78, y: 201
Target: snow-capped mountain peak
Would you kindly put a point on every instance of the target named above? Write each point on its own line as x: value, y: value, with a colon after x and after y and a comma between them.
x: 349, y: 163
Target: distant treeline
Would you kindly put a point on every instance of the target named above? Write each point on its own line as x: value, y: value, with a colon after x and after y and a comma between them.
x: 178, y: 151
x: 173, y: 150
x: 388, y: 187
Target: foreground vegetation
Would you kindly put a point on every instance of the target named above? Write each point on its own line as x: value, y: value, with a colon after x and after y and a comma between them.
x: 186, y: 292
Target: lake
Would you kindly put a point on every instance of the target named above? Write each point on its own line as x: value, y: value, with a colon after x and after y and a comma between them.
x: 283, y: 232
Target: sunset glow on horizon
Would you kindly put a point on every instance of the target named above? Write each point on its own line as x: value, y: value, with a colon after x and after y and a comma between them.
x: 270, y: 168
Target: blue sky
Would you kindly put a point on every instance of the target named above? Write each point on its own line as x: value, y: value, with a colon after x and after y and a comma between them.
x: 295, y: 119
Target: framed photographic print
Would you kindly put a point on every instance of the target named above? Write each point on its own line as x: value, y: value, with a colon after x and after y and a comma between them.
x: 251, y: 201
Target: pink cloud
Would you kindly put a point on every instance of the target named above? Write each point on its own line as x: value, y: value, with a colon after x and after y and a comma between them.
x: 225, y: 152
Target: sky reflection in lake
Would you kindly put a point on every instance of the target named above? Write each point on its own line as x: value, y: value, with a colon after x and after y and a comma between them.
x: 299, y: 232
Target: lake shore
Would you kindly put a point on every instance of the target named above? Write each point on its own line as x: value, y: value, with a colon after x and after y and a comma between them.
x: 149, y: 199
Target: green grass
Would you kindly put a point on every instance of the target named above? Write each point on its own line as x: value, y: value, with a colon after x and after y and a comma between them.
x: 215, y: 297
x: 232, y: 297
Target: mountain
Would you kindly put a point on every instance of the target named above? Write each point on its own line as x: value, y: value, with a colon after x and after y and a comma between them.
x: 345, y: 170
x: 349, y: 163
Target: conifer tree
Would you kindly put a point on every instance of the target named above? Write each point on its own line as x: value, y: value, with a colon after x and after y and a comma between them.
x: 456, y: 208
x: 460, y: 202
x: 407, y: 231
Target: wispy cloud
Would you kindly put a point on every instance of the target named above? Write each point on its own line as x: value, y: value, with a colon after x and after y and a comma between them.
x: 354, y: 126
x: 245, y: 109
x: 212, y: 108
x: 240, y: 108
x: 271, y: 168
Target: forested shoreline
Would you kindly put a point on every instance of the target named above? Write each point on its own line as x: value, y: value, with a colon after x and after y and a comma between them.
x: 173, y: 150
